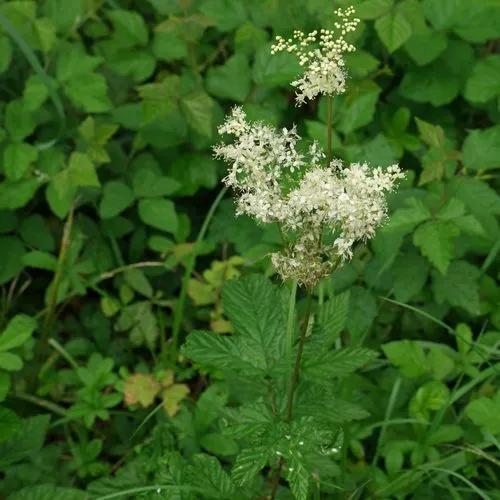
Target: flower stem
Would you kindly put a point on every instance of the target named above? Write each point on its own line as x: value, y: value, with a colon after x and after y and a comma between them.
x: 296, y: 369
x: 329, y: 129
x: 290, y: 319
x: 179, y: 307
x: 294, y: 380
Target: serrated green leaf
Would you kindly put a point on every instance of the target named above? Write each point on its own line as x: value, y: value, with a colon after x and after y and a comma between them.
x: 89, y: 92
x: 408, y: 356
x: 316, y: 400
x: 357, y: 107
x: 130, y: 28
x: 479, y: 24
x: 430, y: 397
x: 459, y: 287
x: 483, y: 84
x: 40, y: 260
x: 248, y: 464
x: 17, y: 159
x: 208, y: 474
x: 333, y: 318
x: 298, y: 478
x: 435, y: 241
x: 48, y: 492
x: 404, y: 220
x: 372, y: 9
x: 215, y: 350
x: 198, y: 109
x: 18, y: 120
x: 159, y: 213
x: 226, y: 14
x: 393, y: 29
x: 252, y: 305
x: 11, y: 254
x: 16, y: 194
x: 452, y: 209
x: 27, y: 440
x: 135, y: 63
x: 9, y: 423
x: 484, y: 413
x: 232, y: 80
x: 137, y: 280
x: 169, y: 46
x: 362, y: 311
x: 274, y: 70
x: 10, y: 362
x: 410, y: 275
x: 432, y: 135
x: 481, y: 149
x: 192, y: 172
x: 442, y: 14
x: 116, y: 197
x: 423, y: 48
x: 336, y: 363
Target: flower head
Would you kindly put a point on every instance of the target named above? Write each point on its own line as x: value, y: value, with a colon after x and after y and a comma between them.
x: 321, y: 54
x: 322, y: 209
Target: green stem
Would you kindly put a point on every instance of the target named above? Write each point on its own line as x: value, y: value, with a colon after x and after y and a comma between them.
x: 388, y: 414
x: 294, y: 380
x: 179, y: 308
x: 291, y: 320
x: 329, y: 129
x: 43, y: 403
x: 296, y: 369
x: 50, y: 314
x: 64, y: 353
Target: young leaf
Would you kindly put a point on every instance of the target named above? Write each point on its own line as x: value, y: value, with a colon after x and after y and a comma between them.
x: 430, y: 397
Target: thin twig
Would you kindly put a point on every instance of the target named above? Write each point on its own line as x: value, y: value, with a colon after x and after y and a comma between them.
x: 121, y: 269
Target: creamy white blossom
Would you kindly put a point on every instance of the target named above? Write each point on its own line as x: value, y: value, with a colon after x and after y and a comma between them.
x: 322, y: 55
x: 323, y: 209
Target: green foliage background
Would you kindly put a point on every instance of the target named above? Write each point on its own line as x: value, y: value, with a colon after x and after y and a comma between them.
x: 108, y: 111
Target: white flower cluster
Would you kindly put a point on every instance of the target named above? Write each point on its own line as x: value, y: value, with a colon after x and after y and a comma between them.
x: 309, y: 200
x: 322, y: 56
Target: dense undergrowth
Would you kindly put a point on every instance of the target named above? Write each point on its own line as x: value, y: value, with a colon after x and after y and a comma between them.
x: 117, y: 240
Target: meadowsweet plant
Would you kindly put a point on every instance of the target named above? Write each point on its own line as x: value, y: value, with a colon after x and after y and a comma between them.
x: 323, y: 208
